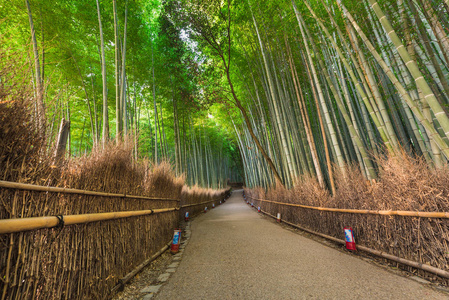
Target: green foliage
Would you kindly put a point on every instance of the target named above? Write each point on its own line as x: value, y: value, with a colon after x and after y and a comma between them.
x: 68, y: 40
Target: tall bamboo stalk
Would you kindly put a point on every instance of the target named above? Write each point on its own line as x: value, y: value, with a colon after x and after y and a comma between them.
x: 417, y: 112
x: 105, y: 134
x: 39, y: 92
x: 412, y: 66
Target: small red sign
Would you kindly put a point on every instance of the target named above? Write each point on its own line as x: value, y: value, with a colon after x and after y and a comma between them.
x: 349, y: 237
x: 176, y: 241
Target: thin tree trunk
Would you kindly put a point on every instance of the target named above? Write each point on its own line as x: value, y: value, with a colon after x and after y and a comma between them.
x: 87, y: 100
x: 163, y: 137
x: 155, y: 108
x: 96, y: 137
x: 123, y: 86
x: 105, y: 135
x: 38, y: 79
x: 118, y: 111
x: 61, y: 143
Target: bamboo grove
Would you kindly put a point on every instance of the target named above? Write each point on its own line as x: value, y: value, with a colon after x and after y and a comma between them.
x: 282, y: 87
x: 116, y: 71
x: 332, y: 83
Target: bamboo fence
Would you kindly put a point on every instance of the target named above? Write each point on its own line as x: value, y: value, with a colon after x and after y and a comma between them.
x: 32, y: 187
x: 87, y: 243
x: 139, y: 268
x: 420, y: 214
x: 416, y: 240
x: 194, y: 200
x: 25, y: 224
x: 197, y: 204
x: 407, y: 262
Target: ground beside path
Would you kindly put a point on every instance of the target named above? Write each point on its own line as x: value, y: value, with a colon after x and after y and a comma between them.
x: 234, y: 253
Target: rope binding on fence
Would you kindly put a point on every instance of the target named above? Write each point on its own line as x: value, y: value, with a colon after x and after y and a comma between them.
x: 61, y: 221
x: 26, y: 224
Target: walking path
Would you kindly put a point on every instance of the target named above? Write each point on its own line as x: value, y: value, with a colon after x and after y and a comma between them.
x: 235, y: 253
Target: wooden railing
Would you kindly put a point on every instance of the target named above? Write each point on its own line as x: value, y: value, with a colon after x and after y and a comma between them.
x: 71, y: 244
x: 404, y: 213
x: 408, y: 262
x: 25, y: 224
x: 32, y: 187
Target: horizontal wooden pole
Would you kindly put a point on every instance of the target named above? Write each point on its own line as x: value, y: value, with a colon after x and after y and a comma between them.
x: 39, y: 188
x: 195, y: 204
x: 26, y: 224
x: 404, y: 213
x: 403, y: 261
x: 133, y: 273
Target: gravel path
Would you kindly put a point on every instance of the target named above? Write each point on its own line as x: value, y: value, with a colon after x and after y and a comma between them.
x: 235, y: 253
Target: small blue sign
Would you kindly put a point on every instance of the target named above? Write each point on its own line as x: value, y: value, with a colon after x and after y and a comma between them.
x: 176, y: 238
x: 348, y: 235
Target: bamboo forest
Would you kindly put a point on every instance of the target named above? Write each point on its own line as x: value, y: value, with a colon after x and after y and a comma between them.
x: 327, y: 104
x: 266, y: 92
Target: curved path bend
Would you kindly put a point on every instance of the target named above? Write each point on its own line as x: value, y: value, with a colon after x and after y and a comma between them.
x: 234, y: 253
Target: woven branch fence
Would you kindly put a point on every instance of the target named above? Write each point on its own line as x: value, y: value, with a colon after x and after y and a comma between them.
x: 87, y: 259
x: 421, y: 237
x: 194, y: 200
x: 75, y: 244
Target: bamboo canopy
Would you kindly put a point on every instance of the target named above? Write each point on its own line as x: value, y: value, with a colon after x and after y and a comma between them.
x: 33, y: 187
x: 25, y: 224
x: 421, y: 214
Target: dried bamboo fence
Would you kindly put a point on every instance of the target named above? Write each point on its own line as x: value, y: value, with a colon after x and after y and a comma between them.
x: 417, y: 240
x: 33, y: 187
x: 87, y: 242
x: 417, y: 265
x: 96, y: 243
x: 421, y: 214
x: 194, y: 200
